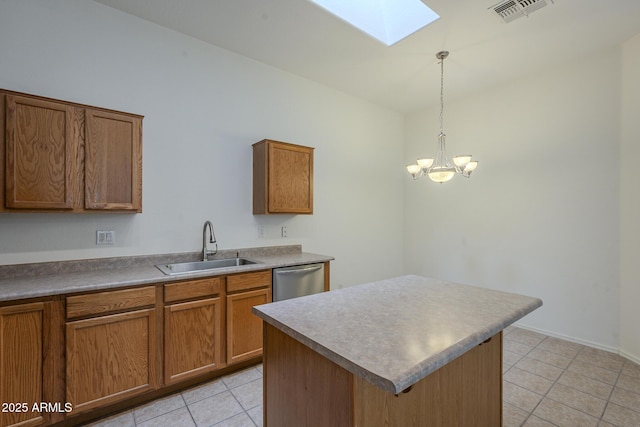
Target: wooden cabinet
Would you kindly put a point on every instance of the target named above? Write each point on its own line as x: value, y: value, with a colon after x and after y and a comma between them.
x: 40, y: 149
x: 113, y: 161
x: 110, y: 357
x: 28, y: 364
x: 192, y: 329
x: 282, y: 178
x: 244, y: 329
x: 60, y: 156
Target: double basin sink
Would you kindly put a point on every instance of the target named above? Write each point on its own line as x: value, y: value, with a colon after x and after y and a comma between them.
x: 194, y: 266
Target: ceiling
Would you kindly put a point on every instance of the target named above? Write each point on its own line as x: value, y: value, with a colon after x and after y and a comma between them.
x: 301, y: 38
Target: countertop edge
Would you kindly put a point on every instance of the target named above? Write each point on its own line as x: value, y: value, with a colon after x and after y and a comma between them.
x: 30, y: 287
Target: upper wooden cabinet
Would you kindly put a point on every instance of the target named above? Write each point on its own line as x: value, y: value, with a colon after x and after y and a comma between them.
x: 113, y: 161
x: 282, y: 178
x: 40, y: 148
x: 60, y: 156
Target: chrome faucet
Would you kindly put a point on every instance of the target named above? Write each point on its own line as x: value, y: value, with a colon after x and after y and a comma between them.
x: 212, y: 239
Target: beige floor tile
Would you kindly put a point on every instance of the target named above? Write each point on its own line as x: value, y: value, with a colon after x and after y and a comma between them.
x: 601, y: 358
x: 605, y: 424
x: 516, y: 347
x: 180, y: 417
x: 520, y: 397
x: 593, y: 371
x: 510, y: 358
x: 586, y: 385
x: 527, y: 380
x: 562, y: 415
x: 526, y: 337
x: 215, y: 409
x: 629, y: 383
x: 550, y: 358
x: 631, y: 369
x: 534, y: 421
x: 157, y: 407
x: 242, y: 377
x: 577, y: 400
x: 621, y: 417
x: 250, y: 394
x: 561, y: 347
x: 626, y: 398
x: 539, y: 368
x: 256, y: 415
x: 123, y: 419
x: 203, y: 391
x: 512, y: 416
x: 240, y: 420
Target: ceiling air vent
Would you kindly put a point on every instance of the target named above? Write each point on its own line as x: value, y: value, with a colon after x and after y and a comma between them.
x: 510, y: 10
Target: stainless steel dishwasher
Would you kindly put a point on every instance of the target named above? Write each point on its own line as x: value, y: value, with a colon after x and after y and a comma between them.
x: 297, y: 281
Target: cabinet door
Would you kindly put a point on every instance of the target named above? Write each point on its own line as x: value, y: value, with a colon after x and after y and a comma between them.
x: 290, y: 179
x: 23, y: 369
x: 110, y: 358
x: 113, y: 161
x: 282, y: 178
x: 244, y: 329
x: 192, y: 339
x: 40, y: 150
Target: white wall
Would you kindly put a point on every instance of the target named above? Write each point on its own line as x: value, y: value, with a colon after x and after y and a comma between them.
x: 630, y: 202
x: 540, y: 215
x: 203, y: 109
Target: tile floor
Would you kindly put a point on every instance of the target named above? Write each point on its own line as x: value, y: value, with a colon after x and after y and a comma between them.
x: 547, y: 382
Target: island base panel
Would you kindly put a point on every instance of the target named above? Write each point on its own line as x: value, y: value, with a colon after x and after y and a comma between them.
x: 303, y: 388
x: 465, y: 392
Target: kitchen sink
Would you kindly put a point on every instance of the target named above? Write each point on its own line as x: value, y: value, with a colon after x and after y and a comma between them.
x: 192, y: 267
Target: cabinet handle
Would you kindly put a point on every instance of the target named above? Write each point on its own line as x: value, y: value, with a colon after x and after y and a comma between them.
x: 299, y: 270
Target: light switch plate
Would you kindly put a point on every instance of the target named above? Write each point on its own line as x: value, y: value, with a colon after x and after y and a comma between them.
x: 105, y: 237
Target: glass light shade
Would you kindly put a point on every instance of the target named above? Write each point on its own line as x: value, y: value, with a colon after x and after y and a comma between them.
x: 425, y: 163
x: 462, y: 160
x: 441, y: 175
x: 414, y: 170
x: 470, y: 167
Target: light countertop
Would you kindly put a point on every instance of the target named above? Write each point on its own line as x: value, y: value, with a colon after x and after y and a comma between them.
x: 397, y: 331
x: 95, y: 274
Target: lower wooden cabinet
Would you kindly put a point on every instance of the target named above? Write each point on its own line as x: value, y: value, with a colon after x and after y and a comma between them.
x: 111, y: 357
x: 192, y: 329
x: 192, y: 339
x: 25, y: 368
x: 79, y: 353
x: 244, y: 329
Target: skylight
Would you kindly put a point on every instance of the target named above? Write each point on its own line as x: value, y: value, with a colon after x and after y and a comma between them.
x: 388, y: 21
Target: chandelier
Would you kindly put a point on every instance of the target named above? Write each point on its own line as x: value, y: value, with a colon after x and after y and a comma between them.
x: 441, y: 169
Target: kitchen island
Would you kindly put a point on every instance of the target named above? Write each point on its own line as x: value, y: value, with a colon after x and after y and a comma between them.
x: 408, y: 351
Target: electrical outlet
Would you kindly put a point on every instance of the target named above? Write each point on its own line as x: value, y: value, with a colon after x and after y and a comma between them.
x: 105, y: 237
x: 261, y: 232
x: 285, y: 232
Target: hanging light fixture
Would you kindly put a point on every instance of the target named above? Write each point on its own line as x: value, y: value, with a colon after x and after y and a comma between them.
x: 441, y: 169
